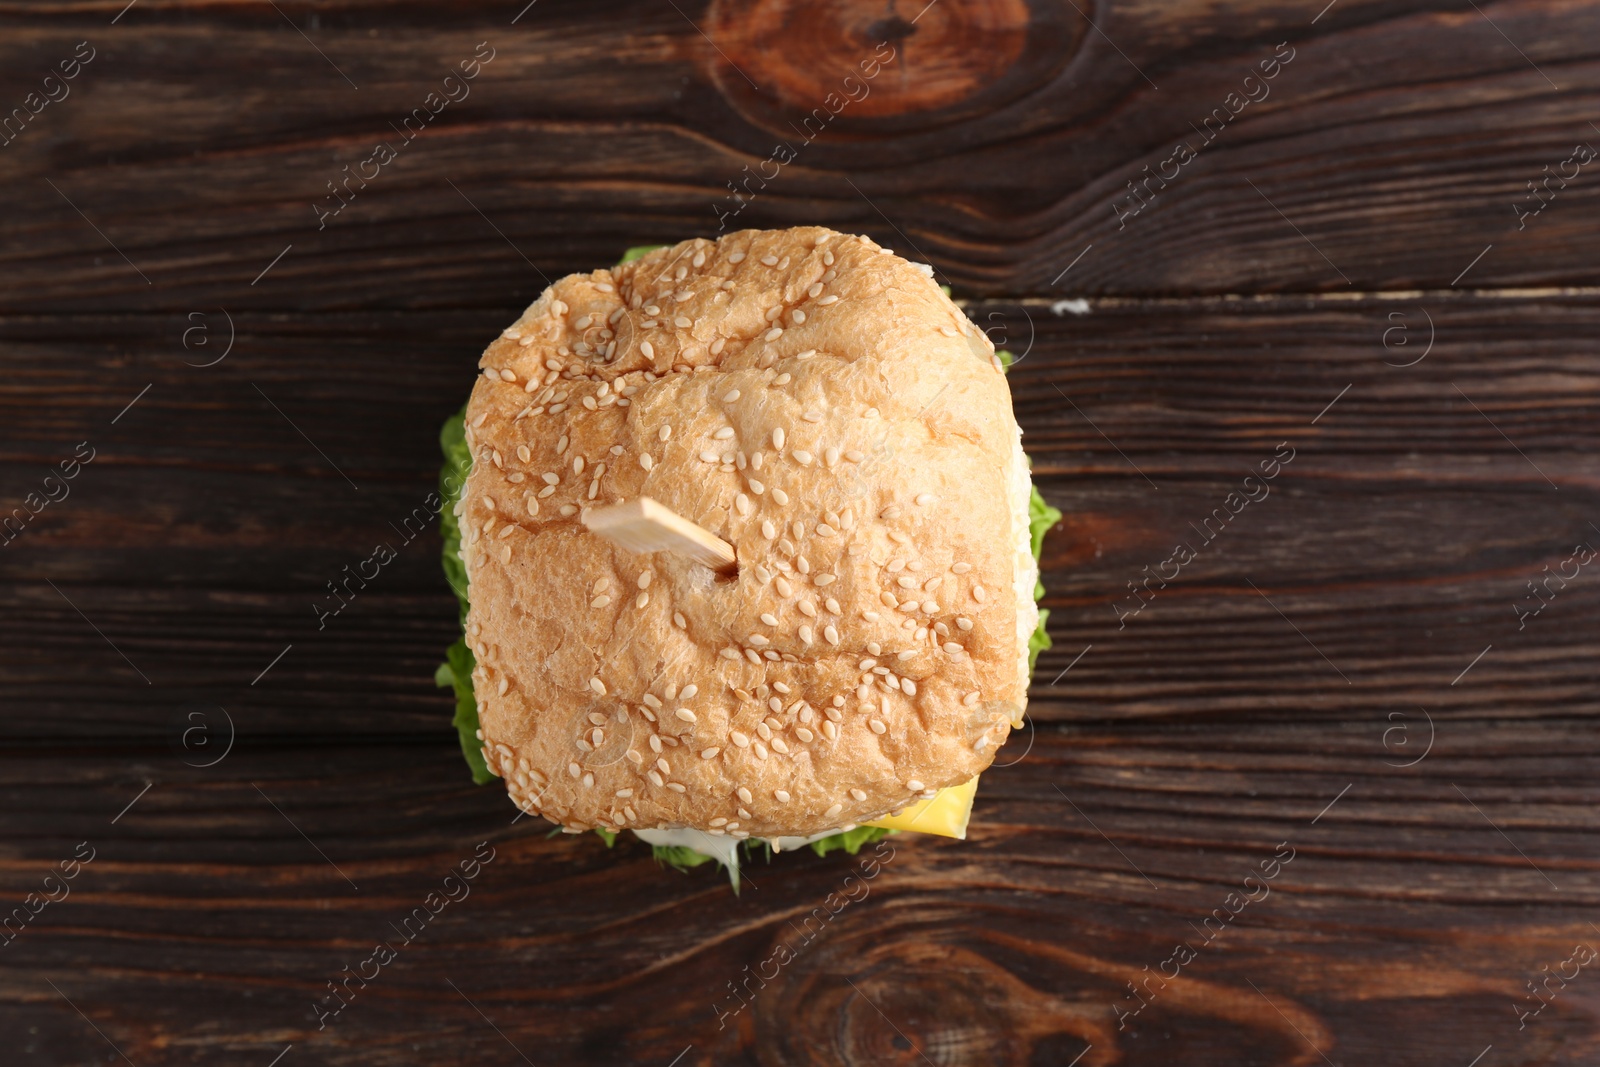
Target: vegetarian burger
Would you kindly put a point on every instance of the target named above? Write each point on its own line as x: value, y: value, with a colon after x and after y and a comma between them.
x: 819, y: 404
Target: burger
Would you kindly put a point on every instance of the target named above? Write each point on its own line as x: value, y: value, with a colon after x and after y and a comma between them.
x: 819, y: 406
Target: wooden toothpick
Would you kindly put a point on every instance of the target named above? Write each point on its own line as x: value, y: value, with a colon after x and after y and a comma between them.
x: 644, y: 525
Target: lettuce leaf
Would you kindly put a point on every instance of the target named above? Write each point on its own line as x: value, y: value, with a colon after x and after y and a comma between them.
x: 850, y: 840
x: 679, y: 857
x: 637, y: 252
x: 1041, y: 516
x: 456, y: 671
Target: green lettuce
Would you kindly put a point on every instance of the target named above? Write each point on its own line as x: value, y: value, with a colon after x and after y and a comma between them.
x: 635, y: 253
x: 679, y: 857
x: 456, y: 671
x: 1041, y: 516
x: 850, y: 840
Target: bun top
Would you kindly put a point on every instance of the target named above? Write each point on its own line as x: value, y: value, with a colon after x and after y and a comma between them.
x: 820, y: 404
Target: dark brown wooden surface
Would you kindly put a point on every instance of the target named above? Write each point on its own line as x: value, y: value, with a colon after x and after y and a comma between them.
x: 1359, y: 617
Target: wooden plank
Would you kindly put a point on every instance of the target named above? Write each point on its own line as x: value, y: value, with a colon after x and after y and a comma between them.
x: 1001, y: 142
x: 220, y: 904
x: 1399, y: 540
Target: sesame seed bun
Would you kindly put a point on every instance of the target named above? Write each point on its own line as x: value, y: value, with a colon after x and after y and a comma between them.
x: 820, y: 404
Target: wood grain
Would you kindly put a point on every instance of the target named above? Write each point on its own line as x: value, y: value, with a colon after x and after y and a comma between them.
x: 1399, y: 540
x: 1402, y: 929
x: 1389, y: 152
x: 1339, y: 671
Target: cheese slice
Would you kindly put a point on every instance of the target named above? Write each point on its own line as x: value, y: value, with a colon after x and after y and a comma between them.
x: 944, y: 814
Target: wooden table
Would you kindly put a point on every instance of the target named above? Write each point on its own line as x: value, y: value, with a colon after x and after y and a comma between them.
x: 1344, y: 264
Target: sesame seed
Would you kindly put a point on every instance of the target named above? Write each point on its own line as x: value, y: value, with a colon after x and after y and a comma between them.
x: 729, y: 653
x: 769, y: 260
x: 812, y: 416
x: 567, y: 511
x: 742, y: 503
x: 737, y: 257
x: 724, y: 433
x: 824, y: 530
x: 807, y: 609
x: 647, y: 350
x: 655, y: 743
x: 655, y: 777
x: 600, y: 602
x: 979, y: 593
x: 750, y: 654
x: 831, y: 604
x: 805, y: 634
x: 878, y: 727
x: 740, y: 739
x: 782, y: 795
x: 709, y: 457
x: 784, y: 588
x: 829, y: 299
x: 914, y: 785
x: 773, y: 334
x: 759, y: 749
x: 924, y: 499
x: 699, y: 259
x: 663, y: 766
x: 678, y: 620
x: 802, y: 457
x: 779, y: 497
x: 782, y: 379
x: 831, y: 634
x: 745, y: 795
x: 598, y: 686
x: 780, y: 745
x: 730, y: 396
x: 908, y: 686
x: 716, y: 346
x: 561, y: 446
